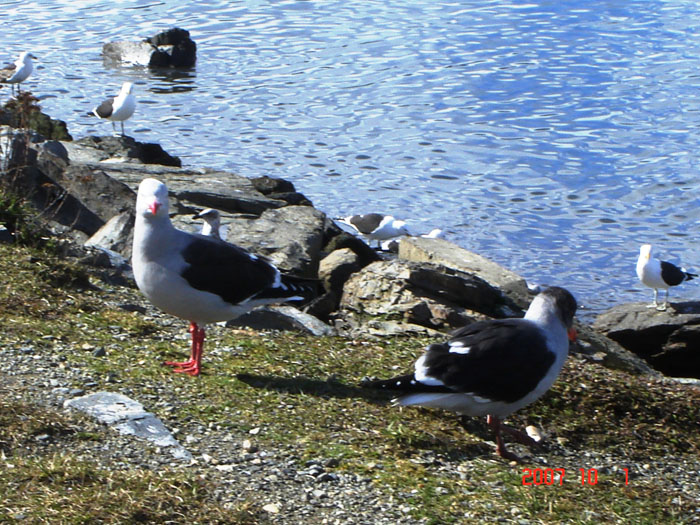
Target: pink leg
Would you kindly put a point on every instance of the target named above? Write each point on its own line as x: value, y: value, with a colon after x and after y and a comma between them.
x: 193, y: 365
x: 523, y: 438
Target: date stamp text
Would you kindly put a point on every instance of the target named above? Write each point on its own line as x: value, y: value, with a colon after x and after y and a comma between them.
x: 555, y: 476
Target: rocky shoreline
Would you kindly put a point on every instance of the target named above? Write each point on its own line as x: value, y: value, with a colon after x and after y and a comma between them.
x: 85, y: 191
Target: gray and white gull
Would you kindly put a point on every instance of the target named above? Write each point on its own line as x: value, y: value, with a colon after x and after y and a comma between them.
x: 199, y: 278
x: 19, y: 71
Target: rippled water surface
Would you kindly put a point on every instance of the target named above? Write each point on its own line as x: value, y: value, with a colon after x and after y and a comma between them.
x: 552, y: 137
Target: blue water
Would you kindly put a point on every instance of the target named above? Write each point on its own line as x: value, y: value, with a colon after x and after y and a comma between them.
x: 552, y: 137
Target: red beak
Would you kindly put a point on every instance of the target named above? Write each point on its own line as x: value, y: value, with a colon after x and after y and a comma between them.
x: 571, y: 332
x: 154, y: 207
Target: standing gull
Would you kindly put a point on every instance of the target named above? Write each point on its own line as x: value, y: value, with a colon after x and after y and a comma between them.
x: 199, y: 278
x: 19, y: 71
x: 659, y: 274
x: 495, y: 367
x: 119, y: 108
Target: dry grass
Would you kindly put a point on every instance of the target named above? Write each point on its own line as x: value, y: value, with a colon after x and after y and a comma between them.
x: 61, y: 489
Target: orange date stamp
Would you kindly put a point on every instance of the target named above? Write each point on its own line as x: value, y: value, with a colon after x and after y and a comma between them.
x: 555, y: 476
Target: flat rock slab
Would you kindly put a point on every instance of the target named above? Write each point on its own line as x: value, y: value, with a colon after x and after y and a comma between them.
x: 198, y: 187
x: 128, y: 417
x: 417, y: 294
x: 282, y: 318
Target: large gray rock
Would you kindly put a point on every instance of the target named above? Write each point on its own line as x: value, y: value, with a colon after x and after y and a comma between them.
x: 115, y: 235
x: 102, y: 195
x: 444, y: 253
x: 280, y: 189
x: 603, y: 350
x: 337, y: 267
x: 668, y: 340
x: 418, y: 294
x: 70, y: 185
x: 193, y: 189
x: 129, y: 52
x: 34, y: 172
x: 172, y: 48
x: 291, y: 237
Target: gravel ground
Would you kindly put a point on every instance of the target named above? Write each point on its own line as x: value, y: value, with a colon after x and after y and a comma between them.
x: 290, y: 489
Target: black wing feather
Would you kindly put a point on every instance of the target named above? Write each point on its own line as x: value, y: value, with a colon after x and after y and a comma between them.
x: 673, y: 275
x: 368, y: 222
x: 406, y: 384
x: 506, y: 360
x: 295, y: 286
x: 105, y: 109
x: 225, y: 269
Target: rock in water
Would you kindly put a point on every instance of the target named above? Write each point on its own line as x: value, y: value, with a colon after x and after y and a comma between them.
x: 171, y: 48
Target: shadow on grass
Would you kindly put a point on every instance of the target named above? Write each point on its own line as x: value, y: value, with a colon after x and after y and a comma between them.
x: 423, y: 439
x: 330, y: 388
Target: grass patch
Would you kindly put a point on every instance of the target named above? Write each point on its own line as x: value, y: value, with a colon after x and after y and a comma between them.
x: 301, y: 393
x: 61, y: 489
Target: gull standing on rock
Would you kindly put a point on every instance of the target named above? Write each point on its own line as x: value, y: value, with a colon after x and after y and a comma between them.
x: 493, y: 368
x: 198, y: 278
x: 659, y: 274
x: 18, y: 72
x: 119, y: 108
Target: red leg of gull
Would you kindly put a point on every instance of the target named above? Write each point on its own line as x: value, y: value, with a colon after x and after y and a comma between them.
x: 497, y: 426
x: 193, y: 365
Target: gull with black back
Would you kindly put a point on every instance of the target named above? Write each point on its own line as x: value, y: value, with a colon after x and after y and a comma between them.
x: 119, y: 108
x: 493, y: 368
x: 659, y: 274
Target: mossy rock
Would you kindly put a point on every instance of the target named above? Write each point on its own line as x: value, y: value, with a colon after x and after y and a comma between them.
x: 24, y: 112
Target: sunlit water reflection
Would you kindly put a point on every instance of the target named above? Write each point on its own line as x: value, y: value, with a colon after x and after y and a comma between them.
x: 552, y: 137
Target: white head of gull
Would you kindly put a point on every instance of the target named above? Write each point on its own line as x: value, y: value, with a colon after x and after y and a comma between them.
x: 119, y: 108
x: 212, y: 222
x: 494, y: 367
x: 198, y: 278
x: 659, y: 274
x: 19, y: 71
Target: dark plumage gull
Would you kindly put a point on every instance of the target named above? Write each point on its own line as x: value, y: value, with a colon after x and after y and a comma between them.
x: 199, y: 278
x: 376, y: 226
x: 19, y: 71
x: 119, y: 108
x: 659, y: 274
x: 494, y: 367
